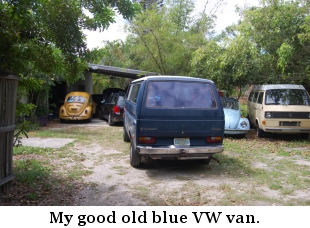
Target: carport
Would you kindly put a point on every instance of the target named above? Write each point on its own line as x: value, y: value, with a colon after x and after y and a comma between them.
x: 112, y: 71
x: 60, y: 90
x: 117, y: 71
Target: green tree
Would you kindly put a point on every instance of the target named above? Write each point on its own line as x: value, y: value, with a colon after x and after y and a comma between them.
x: 279, y: 31
x: 268, y: 45
x: 163, y: 39
x: 30, y: 30
x: 114, y: 53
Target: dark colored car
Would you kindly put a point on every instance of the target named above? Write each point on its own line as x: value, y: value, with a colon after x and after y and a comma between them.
x: 173, y: 117
x: 107, y: 92
x: 103, y: 96
x: 112, y: 109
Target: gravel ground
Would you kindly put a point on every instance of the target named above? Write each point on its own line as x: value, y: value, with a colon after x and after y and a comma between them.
x: 114, y: 182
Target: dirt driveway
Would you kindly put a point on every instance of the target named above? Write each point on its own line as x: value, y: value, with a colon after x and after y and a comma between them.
x: 235, y: 180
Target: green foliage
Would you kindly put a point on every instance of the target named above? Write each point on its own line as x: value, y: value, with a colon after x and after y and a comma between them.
x: 269, y: 45
x: 23, y: 109
x: 29, y: 171
x: 161, y: 39
x: 244, y: 110
x: 285, y: 53
x: 275, y: 30
x: 23, y: 127
x: 49, y: 36
x: 112, y: 54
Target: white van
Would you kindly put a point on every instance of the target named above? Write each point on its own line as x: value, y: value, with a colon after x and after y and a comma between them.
x: 280, y: 108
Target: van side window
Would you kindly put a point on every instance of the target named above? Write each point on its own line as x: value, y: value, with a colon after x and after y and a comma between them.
x: 251, y: 96
x: 133, y: 93
x: 255, y: 97
x: 260, y: 98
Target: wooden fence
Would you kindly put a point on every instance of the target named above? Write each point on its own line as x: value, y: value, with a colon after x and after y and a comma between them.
x: 8, y: 94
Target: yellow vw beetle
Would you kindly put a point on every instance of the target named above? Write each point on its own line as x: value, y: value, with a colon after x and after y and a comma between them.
x: 77, y: 106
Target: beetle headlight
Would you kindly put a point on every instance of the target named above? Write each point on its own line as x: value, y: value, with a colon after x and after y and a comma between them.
x: 243, y: 124
x: 268, y: 114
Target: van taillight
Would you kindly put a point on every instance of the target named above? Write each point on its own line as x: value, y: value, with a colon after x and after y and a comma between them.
x: 117, y: 110
x: 214, y: 139
x: 147, y: 140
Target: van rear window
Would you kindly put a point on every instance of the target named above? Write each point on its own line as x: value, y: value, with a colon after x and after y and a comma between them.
x: 286, y: 97
x: 172, y: 94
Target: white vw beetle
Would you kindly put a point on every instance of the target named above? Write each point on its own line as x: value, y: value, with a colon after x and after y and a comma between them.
x: 235, y: 124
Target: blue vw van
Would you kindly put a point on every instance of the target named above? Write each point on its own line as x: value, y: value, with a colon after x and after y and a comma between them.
x: 173, y: 117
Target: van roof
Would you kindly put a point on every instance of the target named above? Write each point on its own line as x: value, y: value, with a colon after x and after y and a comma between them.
x: 169, y: 77
x: 278, y: 86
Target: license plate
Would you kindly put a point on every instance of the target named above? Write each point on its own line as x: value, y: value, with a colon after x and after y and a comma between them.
x: 181, y: 142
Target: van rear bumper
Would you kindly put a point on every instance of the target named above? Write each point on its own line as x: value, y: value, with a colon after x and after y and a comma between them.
x: 193, y: 152
x: 235, y: 131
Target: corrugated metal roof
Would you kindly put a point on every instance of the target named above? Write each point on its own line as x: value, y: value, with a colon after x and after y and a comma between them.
x: 118, y: 71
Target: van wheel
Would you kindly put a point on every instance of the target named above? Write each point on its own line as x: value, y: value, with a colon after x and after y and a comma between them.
x: 135, y: 157
x: 110, y: 121
x: 125, y: 135
x: 259, y: 132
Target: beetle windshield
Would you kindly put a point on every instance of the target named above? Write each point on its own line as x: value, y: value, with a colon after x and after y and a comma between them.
x: 286, y: 97
x: 228, y: 104
x: 79, y: 99
x: 180, y: 94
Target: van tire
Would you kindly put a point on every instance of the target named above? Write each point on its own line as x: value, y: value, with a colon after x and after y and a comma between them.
x: 259, y: 132
x: 125, y: 135
x: 135, y: 157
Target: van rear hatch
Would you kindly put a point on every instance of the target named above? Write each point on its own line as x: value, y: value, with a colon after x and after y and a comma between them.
x: 186, y: 110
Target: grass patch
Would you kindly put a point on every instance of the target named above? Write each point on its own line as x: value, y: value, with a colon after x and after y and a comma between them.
x: 23, y: 150
x: 30, y: 172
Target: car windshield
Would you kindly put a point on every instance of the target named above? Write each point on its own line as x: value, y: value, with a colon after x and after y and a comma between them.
x: 171, y: 94
x: 230, y: 104
x: 79, y: 99
x: 286, y: 97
